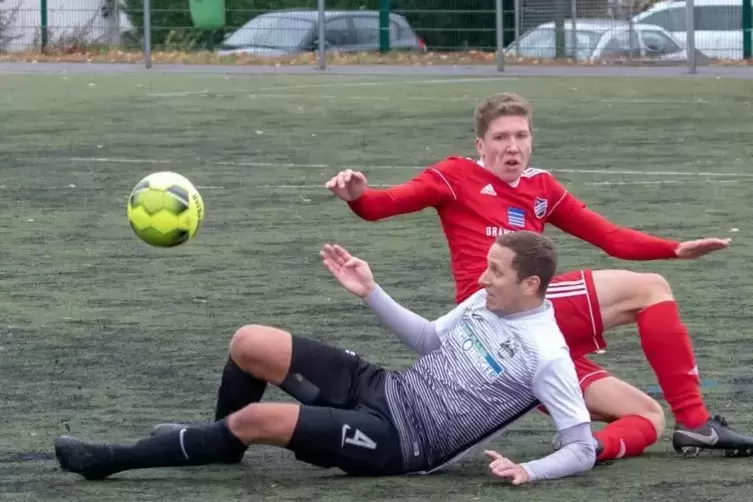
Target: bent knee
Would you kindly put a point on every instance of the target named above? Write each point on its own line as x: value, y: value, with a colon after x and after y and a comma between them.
x: 622, y: 294
x: 643, y: 286
x: 262, y: 350
x: 655, y: 287
x: 654, y: 413
x: 245, y: 340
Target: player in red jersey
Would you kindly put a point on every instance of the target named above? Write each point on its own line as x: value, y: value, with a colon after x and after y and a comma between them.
x: 499, y: 192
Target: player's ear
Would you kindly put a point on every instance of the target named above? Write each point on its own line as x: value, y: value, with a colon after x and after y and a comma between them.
x: 480, y: 146
x: 531, y: 285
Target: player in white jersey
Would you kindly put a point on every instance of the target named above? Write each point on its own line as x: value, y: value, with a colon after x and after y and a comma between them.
x: 483, y: 365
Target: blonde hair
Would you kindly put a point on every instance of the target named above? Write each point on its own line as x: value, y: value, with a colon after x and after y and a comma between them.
x: 506, y: 104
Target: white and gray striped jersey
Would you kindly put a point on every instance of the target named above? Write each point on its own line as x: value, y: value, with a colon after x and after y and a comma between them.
x: 480, y: 373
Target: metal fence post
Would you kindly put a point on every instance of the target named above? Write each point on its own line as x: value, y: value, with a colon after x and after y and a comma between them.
x: 690, y: 35
x: 384, y: 26
x: 322, y: 53
x: 116, y: 20
x: 518, y: 15
x: 747, y: 29
x: 500, y: 37
x: 574, y: 20
x: 147, y: 34
x: 43, y: 23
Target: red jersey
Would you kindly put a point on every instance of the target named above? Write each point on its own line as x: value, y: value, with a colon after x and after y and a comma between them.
x: 475, y: 206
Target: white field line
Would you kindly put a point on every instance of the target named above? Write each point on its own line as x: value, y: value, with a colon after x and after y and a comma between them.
x: 595, y: 183
x: 168, y: 162
x: 320, y: 187
x: 435, y: 81
x: 358, y: 98
x: 261, y: 93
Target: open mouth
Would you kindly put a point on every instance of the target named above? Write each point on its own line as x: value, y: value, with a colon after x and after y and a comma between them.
x: 512, y: 163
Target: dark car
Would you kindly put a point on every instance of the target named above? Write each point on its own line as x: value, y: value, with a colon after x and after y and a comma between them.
x: 279, y: 33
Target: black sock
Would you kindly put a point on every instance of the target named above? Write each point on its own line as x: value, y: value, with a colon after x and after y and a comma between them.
x: 206, y: 444
x: 237, y: 390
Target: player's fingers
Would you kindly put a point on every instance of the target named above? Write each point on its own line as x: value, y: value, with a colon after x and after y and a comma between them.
x: 496, y: 465
x: 340, y: 179
x: 359, y: 177
x: 333, y: 269
x: 342, y: 253
x: 493, y: 455
x: 504, y: 472
x: 327, y: 251
x: 502, y: 463
x: 353, y: 263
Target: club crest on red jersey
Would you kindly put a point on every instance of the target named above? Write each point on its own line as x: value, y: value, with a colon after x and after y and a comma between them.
x: 539, y: 207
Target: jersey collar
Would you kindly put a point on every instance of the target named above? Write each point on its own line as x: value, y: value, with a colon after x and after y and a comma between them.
x: 514, y: 184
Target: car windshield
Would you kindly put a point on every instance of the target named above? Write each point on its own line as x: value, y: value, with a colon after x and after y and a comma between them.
x: 540, y: 43
x: 271, y: 31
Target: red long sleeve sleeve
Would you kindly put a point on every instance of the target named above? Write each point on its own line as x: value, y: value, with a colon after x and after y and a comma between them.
x: 573, y: 217
x: 425, y: 190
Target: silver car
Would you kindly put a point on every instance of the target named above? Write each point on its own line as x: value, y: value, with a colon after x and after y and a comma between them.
x: 600, y: 39
x: 280, y: 33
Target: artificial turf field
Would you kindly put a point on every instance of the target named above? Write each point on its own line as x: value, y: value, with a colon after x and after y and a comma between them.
x: 103, y: 336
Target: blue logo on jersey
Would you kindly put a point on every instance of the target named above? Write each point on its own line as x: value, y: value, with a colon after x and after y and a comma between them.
x: 516, y: 217
x: 481, y: 357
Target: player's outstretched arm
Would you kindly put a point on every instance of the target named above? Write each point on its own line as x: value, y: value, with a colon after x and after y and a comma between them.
x: 573, y: 217
x: 355, y: 275
x: 423, y: 191
x: 556, y: 387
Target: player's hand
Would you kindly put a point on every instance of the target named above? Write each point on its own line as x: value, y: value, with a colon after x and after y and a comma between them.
x: 353, y: 273
x: 347, y: 185
x: 695, y: 249
x: 505, y: 468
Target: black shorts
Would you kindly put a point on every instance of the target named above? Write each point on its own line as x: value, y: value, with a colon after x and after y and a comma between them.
x: 344, y: 421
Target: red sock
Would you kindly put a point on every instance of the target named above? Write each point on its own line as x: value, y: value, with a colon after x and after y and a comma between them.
x: 669, y: 351
x: 626, y: 437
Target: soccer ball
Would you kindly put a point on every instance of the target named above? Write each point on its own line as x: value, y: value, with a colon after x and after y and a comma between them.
x: 165, y: 209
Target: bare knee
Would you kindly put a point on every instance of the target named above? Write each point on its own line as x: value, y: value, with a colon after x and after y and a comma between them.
x: 622, y: 294
x: 655, y: 288
x: 266, y: 423
x: 263, y: 351
x: 611, y: 399
x: 654, y: 413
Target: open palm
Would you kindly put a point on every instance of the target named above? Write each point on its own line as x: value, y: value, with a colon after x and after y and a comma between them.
x: 353, y: 273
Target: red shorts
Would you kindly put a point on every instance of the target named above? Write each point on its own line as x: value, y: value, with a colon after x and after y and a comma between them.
x: 578, y: 315
x: 588, y: 372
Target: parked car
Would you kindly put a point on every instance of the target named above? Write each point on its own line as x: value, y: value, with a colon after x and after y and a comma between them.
x: 280, y: 33
x: 600, y: 39
x: 718, y: 24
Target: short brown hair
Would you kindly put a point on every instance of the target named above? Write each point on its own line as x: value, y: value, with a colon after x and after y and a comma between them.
x: 534, y: 255
x: 506, y: 104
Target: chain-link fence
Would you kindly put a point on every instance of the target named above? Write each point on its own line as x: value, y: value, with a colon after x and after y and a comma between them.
x: 584, y: 30
x: 68, y: 25
x: 634, y: 29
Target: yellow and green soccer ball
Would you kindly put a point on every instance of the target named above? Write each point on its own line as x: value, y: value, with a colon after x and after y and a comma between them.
x: 165, y: 209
